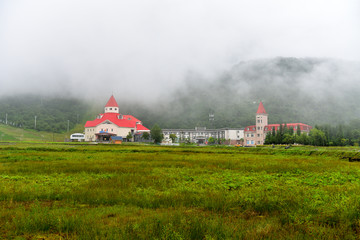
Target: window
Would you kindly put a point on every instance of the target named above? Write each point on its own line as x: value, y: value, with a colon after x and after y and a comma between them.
x: 258, y: 135
x: 252, y: 141
x: 247, y: 142
x: 258, y: 121
x: 110, y: 108
x: 258, y: 128
x: 258, y: 142
x: 252, y: 135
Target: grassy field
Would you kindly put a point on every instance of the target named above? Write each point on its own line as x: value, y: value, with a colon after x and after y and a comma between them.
x: 66, y: 191
x: 9, y: 133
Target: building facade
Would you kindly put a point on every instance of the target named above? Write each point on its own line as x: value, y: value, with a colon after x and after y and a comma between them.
x: 201, y: 135
x: 256, y: 134
x: 112, y: 123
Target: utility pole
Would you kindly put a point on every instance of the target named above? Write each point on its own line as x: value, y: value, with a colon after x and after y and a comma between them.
x: 6, y: 118
x: 68, y: 125
x: 35, y: 122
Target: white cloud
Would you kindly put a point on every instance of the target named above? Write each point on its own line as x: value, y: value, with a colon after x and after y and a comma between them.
x: 136, y: 47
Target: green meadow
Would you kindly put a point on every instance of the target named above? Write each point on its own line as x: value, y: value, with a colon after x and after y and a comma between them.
x: 9, y: 133
x: 76, y: 191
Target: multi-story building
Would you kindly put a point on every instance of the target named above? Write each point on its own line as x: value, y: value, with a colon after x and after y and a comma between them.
x: 256, y: 134
x: 201, y: 135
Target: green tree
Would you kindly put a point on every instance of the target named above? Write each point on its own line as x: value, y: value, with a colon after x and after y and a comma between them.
x: 173, y: 137
x: 145, y: 136
x: 288, y: 139
x: 291, y: 131
x: 317, y: 137
x: 269, y: 139
x: 156, y: 134
x: 211, y: 140
x: 303, y: 139
x: 129, y: 137
x: 298, y: 130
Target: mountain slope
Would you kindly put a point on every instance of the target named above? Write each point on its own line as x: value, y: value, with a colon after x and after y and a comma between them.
x: 313, y: 91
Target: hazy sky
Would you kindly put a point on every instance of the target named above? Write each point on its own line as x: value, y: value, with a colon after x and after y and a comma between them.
x: 144, y: 48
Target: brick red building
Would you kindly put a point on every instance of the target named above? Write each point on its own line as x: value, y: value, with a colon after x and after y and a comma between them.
x: 256, y: 134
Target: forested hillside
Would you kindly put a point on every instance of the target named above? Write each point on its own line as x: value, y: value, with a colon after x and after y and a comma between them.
x: 53, y: 114
x: 312, y: 91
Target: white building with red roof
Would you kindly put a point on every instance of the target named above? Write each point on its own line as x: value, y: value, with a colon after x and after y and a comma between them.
x: 112, y: 123
x: 256, y: 134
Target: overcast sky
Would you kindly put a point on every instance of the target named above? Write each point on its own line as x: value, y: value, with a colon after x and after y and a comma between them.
x: 147, y: 47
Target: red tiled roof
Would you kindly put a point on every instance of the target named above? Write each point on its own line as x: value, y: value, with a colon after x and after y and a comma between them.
x: 261, y: 109
x: 127, y: 121
x: 112, y: 102
x: 140, y: 127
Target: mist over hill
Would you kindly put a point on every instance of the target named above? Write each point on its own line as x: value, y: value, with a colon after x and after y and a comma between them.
x: 308, y: 90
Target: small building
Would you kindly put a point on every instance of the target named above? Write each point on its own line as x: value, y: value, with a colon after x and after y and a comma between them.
x: 116, y: 139
x: 111, y: 123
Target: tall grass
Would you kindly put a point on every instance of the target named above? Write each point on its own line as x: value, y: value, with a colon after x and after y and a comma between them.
x: 152, y: 192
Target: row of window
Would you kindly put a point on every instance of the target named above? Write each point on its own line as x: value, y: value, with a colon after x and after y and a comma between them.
x: 106, y: 130
x: 252, y: 135
x: 251, y: 142
x: 266, y: 128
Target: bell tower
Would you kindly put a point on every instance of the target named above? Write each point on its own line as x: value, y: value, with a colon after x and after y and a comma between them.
x: 111, y: 106
x: 261, y: 122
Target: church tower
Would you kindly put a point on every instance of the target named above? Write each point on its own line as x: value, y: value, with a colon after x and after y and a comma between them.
x: 261, y: 122
x: 111, y: 106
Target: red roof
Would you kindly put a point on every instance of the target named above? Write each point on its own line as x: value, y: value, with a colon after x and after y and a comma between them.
x: 126, y: 121
x: 140, y: 127
x: 261, y: 109
x: 250, y: 128
x: 277, y: 126
x: 112, y: 102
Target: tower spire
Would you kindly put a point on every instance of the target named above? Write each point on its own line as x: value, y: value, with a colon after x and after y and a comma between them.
x: 112, y: 106
x: 261, y: 109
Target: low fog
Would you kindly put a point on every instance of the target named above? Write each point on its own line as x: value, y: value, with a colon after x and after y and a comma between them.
x: 146, y: 50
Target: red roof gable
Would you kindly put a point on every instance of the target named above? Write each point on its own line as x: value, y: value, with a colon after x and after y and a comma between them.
x: 127, y: 121
x: 112, y: 102
x: 261, y: 109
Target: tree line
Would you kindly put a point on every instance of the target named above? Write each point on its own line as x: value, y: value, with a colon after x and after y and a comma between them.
x: 320, y: 135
